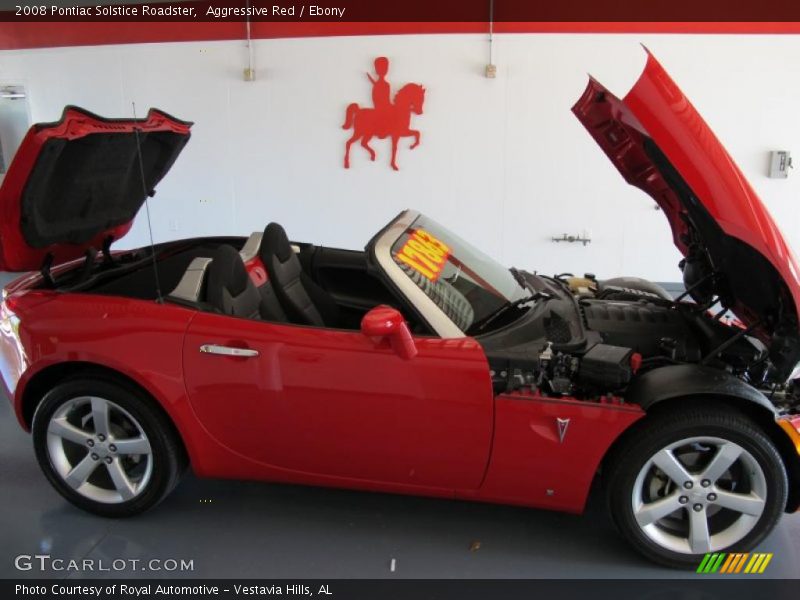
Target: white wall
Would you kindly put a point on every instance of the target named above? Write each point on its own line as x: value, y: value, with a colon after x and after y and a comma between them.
x: 503, y: 162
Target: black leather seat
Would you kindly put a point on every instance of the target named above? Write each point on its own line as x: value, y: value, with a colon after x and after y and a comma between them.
x: 230, y: 290
x: 271, y: 309
x: 304, y: 301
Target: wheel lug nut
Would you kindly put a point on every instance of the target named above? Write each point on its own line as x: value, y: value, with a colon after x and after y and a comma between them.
x: 101, y: 437
x: 705, y: 483
x: 688, y: 485
x: 712, y: 497
x: 683, y: 499
x: 108, y: 460
x: 95, y: 456
x: 113, y: 448
x: 697, y: 507
x: 90, y: 443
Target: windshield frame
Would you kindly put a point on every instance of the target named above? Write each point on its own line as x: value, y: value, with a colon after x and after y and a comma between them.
x: 381, y: 247
x: 436, y: 318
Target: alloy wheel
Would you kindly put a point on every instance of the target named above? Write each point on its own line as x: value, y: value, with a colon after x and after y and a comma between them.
x: 99, y: 450
x: 699, y: 495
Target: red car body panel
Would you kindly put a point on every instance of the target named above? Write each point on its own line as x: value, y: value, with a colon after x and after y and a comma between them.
x: 656, y: 108
x: 322, y: 407
x: 139, y: 339
x: 335, y: 402
x: 533, y: 464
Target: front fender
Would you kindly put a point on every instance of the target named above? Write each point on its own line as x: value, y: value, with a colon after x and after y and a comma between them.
x: 678, y: 381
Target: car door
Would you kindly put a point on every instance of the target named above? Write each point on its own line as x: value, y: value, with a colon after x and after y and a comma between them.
x: 340, y: 403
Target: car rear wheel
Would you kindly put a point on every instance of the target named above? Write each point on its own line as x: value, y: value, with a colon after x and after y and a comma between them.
x: 696, y: 481
x: 105, y: 447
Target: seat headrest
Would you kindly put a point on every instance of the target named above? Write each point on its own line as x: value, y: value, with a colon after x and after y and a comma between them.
x: 226, y: 271
x: 189, y: 288
x: 275, y: 241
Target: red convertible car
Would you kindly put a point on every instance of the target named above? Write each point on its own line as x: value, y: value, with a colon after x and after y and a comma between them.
x: 418, y: 366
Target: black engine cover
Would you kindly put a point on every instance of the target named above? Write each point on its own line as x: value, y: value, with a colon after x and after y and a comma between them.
x: 648, y: 328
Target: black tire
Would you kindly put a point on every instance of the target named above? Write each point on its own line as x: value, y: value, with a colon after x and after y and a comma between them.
x: 665, y: 427
x: 166, y: 452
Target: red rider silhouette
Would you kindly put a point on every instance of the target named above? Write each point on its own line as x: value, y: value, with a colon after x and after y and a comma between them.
x: 381, y: 90
x: 390, y: 117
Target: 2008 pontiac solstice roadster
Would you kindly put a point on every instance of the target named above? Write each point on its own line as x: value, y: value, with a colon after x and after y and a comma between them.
x: 418, y: 366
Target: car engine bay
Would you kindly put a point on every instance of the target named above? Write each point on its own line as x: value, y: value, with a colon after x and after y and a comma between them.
x: 588, y: 339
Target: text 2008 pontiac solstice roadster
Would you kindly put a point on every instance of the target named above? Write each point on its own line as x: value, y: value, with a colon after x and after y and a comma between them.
x: 419, y: 366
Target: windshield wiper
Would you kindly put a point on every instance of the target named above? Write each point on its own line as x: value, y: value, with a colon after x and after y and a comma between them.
x: 520, y: 278
x: 533, y: 297
x: 481, y: 325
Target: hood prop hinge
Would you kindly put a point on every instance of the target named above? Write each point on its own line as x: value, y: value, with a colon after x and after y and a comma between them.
x: 711, y: 276
x: 88, y: 265
x: 47, y: 264
x: 107, y: 258
x: 729, y: 342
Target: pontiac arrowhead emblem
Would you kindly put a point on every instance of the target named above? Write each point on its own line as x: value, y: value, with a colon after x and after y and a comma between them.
x: 563, y: 424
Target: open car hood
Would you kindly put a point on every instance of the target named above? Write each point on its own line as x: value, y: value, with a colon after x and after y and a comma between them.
x: 77, y: 184
x: 734, y: 250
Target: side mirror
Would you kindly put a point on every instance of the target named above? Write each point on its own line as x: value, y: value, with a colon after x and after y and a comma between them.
x: 386, y: 322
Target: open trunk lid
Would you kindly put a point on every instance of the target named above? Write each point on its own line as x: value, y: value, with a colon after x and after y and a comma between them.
x: 77, y: 184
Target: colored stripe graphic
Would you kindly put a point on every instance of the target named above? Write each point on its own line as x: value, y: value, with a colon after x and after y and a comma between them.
x: 711, y: 563
x: 731, y: 564
x: 731, y: 560
x: 765, y: 563
x: 718, y: 563
x: 703, y: 564
x: 755, y: 562
x: 740, y: 564
x: 735, y: 561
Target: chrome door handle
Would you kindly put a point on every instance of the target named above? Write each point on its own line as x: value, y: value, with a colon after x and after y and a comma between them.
x: 228, y: 351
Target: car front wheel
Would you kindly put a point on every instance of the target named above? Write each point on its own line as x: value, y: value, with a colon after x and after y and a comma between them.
x: 695, y: 481
x: 105, y: 447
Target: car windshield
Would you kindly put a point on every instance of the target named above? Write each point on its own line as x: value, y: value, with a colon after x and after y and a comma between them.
x: 462, y: 281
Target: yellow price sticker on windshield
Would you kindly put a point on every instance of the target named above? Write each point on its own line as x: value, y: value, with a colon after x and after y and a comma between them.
x: 425, y: 254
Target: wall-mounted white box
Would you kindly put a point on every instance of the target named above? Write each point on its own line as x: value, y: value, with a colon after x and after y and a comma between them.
x: 780, y: 161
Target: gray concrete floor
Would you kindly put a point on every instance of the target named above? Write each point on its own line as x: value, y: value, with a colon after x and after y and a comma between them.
x: 247, y: 529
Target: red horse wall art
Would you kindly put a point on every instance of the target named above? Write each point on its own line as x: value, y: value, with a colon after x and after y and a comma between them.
x: 386, y: 118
